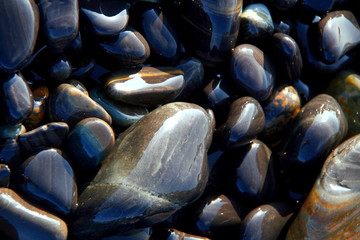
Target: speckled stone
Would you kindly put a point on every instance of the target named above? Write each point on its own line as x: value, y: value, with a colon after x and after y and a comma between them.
x: 142, y: 184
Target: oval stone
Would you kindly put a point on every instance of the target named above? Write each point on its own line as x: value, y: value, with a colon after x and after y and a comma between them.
x: 146, y: 86
x: 245, y: 121
x: 331, y: 210
x: 16, y: 99
x: 60, y: 22
x: 157, y: 166
x: 129, y: 48
x: 18, y: 33
x: 48, y: 180
x: 339, y: 34
x: 317, y: 129
x: 88, y: 143
x: 257, y: 83
x: 69, y: 104
x: 20, y: 220
x: 104, y: 18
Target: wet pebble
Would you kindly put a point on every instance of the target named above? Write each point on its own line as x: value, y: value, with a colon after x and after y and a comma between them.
x: 24, y: 221
x: 69, y: 104
x: 145, y: 86
x: 4, y: 176
x: 47, y: 179
x: 88, y: 144
x: 40, y: 96
x: 140, y: 184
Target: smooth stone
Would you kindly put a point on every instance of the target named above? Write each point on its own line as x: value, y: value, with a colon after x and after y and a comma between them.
x: 60, y: 69
x: 217, y: 218
x: 140, y: 184
x: 284, y: 4
x: 104, y: 18
x: 4, y: 176
x: 319, y: 7
x: 218, y: 92
x: 11, y: 131
x: 257, y: 83
x: 256, y: 22
x: 245, y: 121
x: 88, y: 143
x: 48, y: 180
x: 173, y: 234
x: 339, y: 34
x: 252, y: 173
x: 60, y: 22
x: 18, y: 33
x: 10, y: 152
x: 287, y: 57
x: 345, y: 88
x: 129, y: 48
x: 306, y: 41
x: 16, y: 99
x: 211, y: 33
x: 193, y: 77
x: 69, y: 104
x: 22, y: 221
x: 317, y: 129
x: 280, y: 109
x: 40, y: 96
x: 145, y: 86
x: 49, y: 135
x: 331, y: 210
x: 136, y: 234
x: 159, y: 32
x: 267, y: 222
x: 122, y: 114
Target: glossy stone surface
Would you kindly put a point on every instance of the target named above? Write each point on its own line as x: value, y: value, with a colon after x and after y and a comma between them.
x: 159, y: 32
x: 245, y: 121
x: 287, y: 56
x: 256, y: 22
x: 60, y: 22
x: 69, y: 104
x: 122, y: 114
x: 40, y: 96
x: 146, y: 86
x: 217, y: 218
x: 310, y: 50
x: 193, y: 76
x: 24, y: 221
x: 49, y: 135
x: 266, y: 222
x: 252, y: 177
x: 317, y: 129
x: 17, y: 39
x: 257, y: 83
x: 140, y: 184
x: 4, y: 176
x: 345, y: 88
x: 281, y: 108
x: 88, y: 143
x: 129, y: 48
x: 331, y: 209
x: 214, y: 27
x: 48, y: 179
x: 16, y: 99
x: 60, y: 68
x: 339, y: 34
x: 104, y: 18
